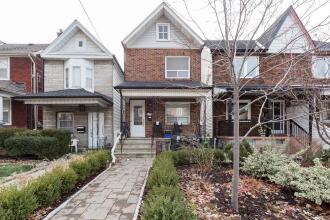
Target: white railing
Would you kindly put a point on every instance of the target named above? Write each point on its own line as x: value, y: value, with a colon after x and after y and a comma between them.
x: 115, y: 143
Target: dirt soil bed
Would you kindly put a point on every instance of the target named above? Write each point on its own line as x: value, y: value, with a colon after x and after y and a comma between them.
x: 258, y: 199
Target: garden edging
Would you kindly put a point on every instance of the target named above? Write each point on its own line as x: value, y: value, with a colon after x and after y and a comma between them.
x: 138, y: 206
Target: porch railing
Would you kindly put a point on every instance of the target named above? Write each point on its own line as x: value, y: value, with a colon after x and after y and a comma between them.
x: 299, y: 133
x: 115, y: 143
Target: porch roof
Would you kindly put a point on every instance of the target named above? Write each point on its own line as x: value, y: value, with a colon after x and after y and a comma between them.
x: 12, y: 88
x: 162, y: 85
x: 67, y: 96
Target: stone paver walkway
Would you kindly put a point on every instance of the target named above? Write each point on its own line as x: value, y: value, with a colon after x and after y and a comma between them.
x: 113, y: 195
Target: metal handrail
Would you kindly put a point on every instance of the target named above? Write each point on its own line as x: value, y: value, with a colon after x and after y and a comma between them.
x: 114, y: 147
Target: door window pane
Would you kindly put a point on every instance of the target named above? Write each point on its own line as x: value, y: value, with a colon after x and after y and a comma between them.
x: 138, y: 115
x: 6, y: 110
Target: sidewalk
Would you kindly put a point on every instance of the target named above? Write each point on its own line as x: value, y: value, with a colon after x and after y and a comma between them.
x: 112, y: 195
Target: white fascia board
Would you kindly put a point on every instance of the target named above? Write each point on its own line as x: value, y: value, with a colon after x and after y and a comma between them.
x: 179, y: 93
x: 155, y: 13
x: 75, y: 24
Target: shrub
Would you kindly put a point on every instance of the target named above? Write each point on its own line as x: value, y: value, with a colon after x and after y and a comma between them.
x: 166, y: 203
x: 244, y: 151
x: 42, y: 147
x: 219, y: 156
x: 67, y: 177
x: 204, y: 158
x: 8, y: 132
x: 63, y: 137
x: 17, y: 204
x: 181, y: 157
x: 29, y: 133
x: 82, y: 168
x: 163, y: 173
x: 264, y: 163
x: 47, y: 188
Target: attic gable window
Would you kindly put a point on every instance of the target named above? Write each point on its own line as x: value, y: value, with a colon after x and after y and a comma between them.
x: 163, y: 31
x: 321, y: 67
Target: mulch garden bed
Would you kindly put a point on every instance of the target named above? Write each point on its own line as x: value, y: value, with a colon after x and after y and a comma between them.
x: 210, y: 194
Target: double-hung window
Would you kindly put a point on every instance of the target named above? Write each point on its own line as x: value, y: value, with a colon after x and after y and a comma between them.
x: 247, y: 67
x: 177, y: 112
x: 79, y: 74
x: 163, y: 31
x: 244, y: 108
x: 177, y: 67
x: 321, y: 67
x: 65, y: 121
x: 6, y: 111
x: 4, y: 68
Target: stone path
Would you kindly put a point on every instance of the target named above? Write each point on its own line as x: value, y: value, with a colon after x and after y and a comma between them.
x: 113, y: 195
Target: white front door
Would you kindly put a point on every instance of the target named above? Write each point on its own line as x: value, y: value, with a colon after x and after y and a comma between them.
x: 95, y: 129
x: 137, y: 118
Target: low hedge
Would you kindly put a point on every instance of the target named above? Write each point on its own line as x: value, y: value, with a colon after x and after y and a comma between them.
x: 48, y: 143
x: 165, y: 200
x: 41, y: 147
x: 7, y: 133
x: 19, y: 204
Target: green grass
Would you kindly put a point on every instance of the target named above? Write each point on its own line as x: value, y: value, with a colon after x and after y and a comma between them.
x: 8, y: 169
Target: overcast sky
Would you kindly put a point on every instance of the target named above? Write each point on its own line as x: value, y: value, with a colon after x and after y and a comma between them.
x: 37, y: 21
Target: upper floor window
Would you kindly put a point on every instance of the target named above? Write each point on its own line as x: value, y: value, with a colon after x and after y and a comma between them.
x: 79, y: 73
x: 4, y: 69
x: 163, y: 31
x: 177, y: 67
x: 321, y: 67
x: 248, y: 68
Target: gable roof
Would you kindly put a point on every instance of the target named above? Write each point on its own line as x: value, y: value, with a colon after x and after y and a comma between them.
x: 20, y: 49
x: 271, y: 33
x: 322, y: 45
x: 166, y: 10
x: 73, y: 28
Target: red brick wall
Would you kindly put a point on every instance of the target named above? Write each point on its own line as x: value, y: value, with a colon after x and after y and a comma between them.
x: 19, y: 114
x: 20, y: 71
x: 149, y: 64
x: 157, y: 108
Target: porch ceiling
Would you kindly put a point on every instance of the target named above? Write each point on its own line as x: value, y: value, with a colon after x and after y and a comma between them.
x: 177, y: 93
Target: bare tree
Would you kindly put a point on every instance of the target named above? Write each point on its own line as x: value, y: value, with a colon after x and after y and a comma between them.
x: 248, y: 28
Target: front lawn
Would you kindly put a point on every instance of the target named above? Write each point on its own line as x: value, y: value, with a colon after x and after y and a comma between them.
x: 8, y: 169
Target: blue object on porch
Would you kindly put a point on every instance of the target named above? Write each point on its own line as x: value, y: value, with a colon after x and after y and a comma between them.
x: 167, y: 134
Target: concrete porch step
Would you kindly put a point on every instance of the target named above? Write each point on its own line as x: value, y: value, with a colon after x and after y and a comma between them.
x: 137, y: 155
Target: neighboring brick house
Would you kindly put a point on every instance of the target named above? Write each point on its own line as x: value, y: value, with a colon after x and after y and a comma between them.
x: 284, y: 49
x: 167, y: 80
x: 78, y: 88
x: 21, y: 71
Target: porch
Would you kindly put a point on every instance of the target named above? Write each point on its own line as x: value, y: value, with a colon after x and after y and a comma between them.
x: 87, y: 115
x: 163, y: 109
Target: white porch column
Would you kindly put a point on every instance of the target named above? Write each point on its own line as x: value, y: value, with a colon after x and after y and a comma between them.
x: 209, y: 114
x: 1, y: 110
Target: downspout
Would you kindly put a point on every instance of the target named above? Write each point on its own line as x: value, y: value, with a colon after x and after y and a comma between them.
x: 121, y: 121
x: 34, y: 86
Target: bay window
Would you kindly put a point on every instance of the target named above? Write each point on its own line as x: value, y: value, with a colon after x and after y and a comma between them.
x: 4, y: 68
x: 79, y: 74
x: 177, y: 67
x: 65, y: 121
x: 321, y: 67
x: 177, y: 112
x: 248, y: 68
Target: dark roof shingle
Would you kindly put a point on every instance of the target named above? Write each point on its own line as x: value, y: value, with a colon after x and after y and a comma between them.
x: 241, y: 45
x: 21, y: 48
x: 162, y: 85
x: 12, y: 87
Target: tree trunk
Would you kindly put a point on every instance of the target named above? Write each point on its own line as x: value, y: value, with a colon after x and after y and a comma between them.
x: 234, y: 198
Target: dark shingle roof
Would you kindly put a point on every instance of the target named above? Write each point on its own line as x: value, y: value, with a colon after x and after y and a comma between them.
x: 241, y: 45
x: 162, y: 85
x: 21, y: 48
x: 322, y: 45
x: 270, y: 34
x: 12, y: 87
x: 67, y: 93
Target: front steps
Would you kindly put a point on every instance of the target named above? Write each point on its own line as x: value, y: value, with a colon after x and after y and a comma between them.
x: 136, y: 147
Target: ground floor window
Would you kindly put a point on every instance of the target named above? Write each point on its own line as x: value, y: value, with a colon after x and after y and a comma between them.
x: 6, y: 111
x: 65, y: 120
x: 177, y: 112
x: 245, y: 111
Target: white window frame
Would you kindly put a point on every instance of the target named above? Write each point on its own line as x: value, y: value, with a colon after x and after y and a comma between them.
x: 245, y: 67
x: 84, y: 65
x: 167, y: 77
x: 168, y: 31
x: 315, y: 74
x: 8, y: 68
x: 58, y: 121
x: 83, y: 41
x: 9, y: 111
x: 178, y: 103
x: 247, y: 101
